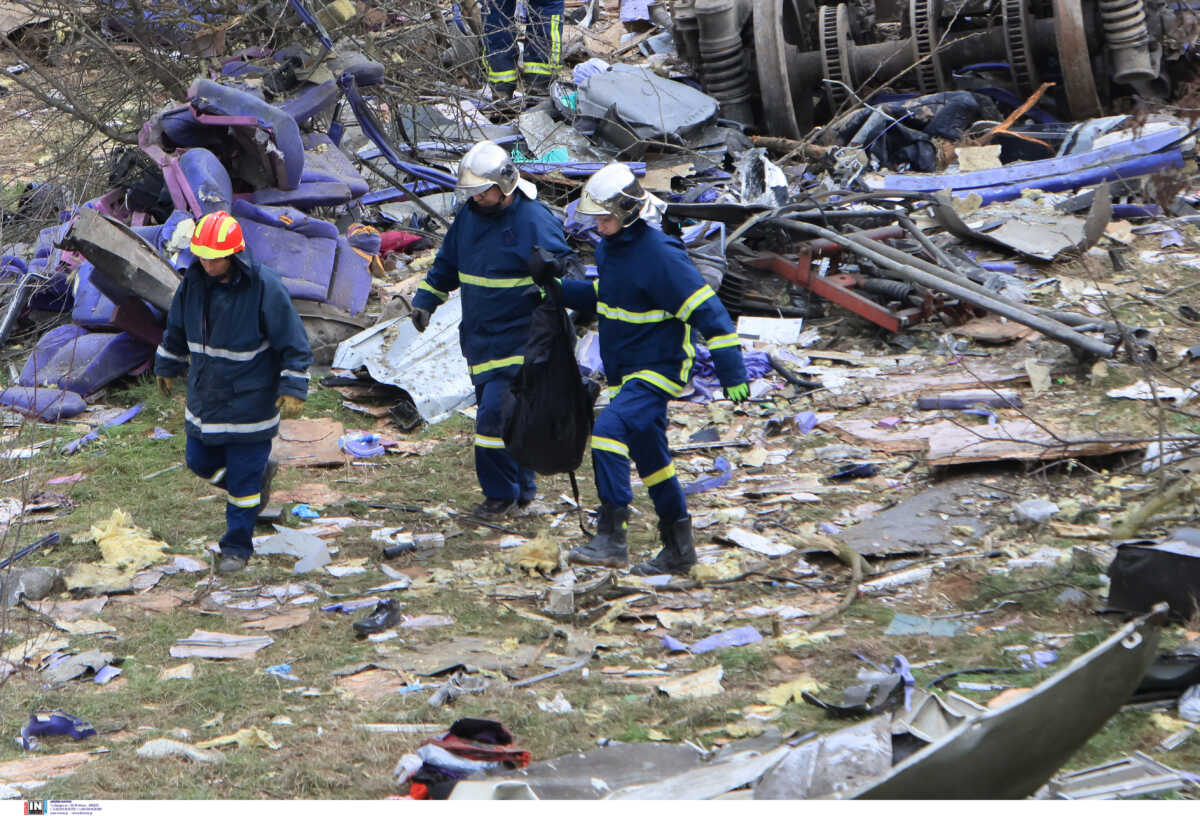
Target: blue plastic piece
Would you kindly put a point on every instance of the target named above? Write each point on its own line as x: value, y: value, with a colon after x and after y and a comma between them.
x: 54, y: 723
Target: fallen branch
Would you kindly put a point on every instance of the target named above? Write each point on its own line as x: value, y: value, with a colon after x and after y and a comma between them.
x: 1136, y: 518
x: 537, y: 678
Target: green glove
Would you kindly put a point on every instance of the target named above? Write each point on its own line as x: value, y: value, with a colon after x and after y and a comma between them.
x: 738, y: 393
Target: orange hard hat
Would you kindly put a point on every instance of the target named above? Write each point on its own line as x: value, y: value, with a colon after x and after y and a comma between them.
x: 217, y: 235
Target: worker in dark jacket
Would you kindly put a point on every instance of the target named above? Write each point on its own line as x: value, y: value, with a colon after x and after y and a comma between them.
x: 543, y: 45
x: 485, y: 252
x: 649, y: 297
x: 233, y: 327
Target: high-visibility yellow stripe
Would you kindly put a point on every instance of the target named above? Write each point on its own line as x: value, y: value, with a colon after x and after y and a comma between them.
x: 543, y: 68
x: 614, y: 313
x: 494, y: 442
x: 689, y: 354
x: 699, y: 296
x: 610, y: 445
x: 502, y: 76
x: 437, y: 293
x: 503, y: 362
x: 556, y: 40
x: 218, y: 476
x: 660, y: 475
x: 596, y: 286
x: 657, y: 380
x: 494, y: 283
x: 245, y: 501
x: 723, y: 341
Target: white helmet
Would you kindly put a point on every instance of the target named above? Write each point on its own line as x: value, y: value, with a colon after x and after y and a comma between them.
x: 613, y: 190
x: 485, y: 164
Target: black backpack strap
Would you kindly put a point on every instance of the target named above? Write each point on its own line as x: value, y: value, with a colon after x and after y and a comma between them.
x: 578, y: 504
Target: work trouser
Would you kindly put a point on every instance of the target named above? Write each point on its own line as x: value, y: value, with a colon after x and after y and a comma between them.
x: 238, y: 470
x: 543, y: 40
x: 500, y: 477
x: 634, y: 426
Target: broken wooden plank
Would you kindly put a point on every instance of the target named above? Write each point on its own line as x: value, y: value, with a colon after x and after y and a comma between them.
x: 1017, y: 439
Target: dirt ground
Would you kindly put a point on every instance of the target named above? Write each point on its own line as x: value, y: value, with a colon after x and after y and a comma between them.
x: 1005, y: 586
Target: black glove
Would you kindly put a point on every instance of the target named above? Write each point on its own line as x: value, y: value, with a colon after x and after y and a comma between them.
x: 420, y: 319
x: 543, y: 266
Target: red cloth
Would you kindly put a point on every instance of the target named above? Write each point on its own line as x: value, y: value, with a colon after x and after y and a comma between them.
x: 396, y: 241
x: 481, y: 751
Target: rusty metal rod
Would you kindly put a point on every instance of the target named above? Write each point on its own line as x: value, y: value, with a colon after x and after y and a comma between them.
x: 909, y: 271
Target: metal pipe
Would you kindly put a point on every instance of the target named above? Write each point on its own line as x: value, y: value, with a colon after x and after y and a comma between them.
x: 908, y: 271
x: 16, y: 305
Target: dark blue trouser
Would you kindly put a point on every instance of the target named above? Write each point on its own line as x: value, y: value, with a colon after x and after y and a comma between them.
x: 634, y: 426
x: 499, y: 476
x: 237, y: 469
x: 543, y: 39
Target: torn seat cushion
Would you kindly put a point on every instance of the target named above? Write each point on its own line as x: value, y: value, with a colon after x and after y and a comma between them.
x: 202, y: 184
x: 311, y: 100
x: 329, y: 179
x: 47, y: 404
x: 351, y: 283
x: 301, y: 249
x: 83, y: 362
x: 254, y: 123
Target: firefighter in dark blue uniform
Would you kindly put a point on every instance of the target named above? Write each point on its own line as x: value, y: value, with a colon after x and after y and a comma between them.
x: 543, y: 44
x: 649, y: 297
x: 484, y: 253
x: 232, y: 326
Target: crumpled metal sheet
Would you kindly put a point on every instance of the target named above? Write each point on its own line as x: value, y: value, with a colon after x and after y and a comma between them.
x: 831, y: 764
x: 1010, y: 752
x: 429, y: 366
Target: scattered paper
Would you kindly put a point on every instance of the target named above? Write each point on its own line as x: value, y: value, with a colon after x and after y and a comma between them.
x: 219, y: 646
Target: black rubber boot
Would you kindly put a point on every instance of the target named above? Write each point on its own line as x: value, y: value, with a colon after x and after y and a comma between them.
x: 678, y: 553
x: 264, y: 492
x: 607, y: 547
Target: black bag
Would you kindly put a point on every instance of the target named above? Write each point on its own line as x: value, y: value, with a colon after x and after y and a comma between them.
x: 1147, y: 572
x: 549, y: 407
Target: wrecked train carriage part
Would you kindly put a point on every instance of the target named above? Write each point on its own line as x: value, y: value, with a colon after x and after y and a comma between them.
x: 1135, y: 157
x: 1012, y: 751
x: 126, y: 267
x: 429, y: 366
x: 908, y: 270
x: 839, y: 289
x: 804, y: 52
x: 371, y: 128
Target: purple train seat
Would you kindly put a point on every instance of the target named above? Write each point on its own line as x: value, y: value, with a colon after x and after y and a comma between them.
x: 366, y: 72
x: 254, y: 123
x: 55, y: 294
x: 300, y: 248
x: 311, y: 100
x: 47, y: 404
x: 328, y: 179
x: 96, y: 312
x: 351, y: 283
x: 314, y: 261
x: 201, y: 185
x: 73, y: 359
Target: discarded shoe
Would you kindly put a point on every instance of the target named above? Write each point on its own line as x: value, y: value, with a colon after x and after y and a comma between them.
x: 264, y: 492
x: 231, y: 563
x: 678, y: 553
x: 385, y: 616
x: 489, y: 509
x: 607, y: 547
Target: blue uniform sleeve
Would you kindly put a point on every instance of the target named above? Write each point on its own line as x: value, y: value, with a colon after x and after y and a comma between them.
x: 442, y: 278
x: 171, y: 358
x: 681, y: 291
x: 285, y: 333
x: 580, y: 294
